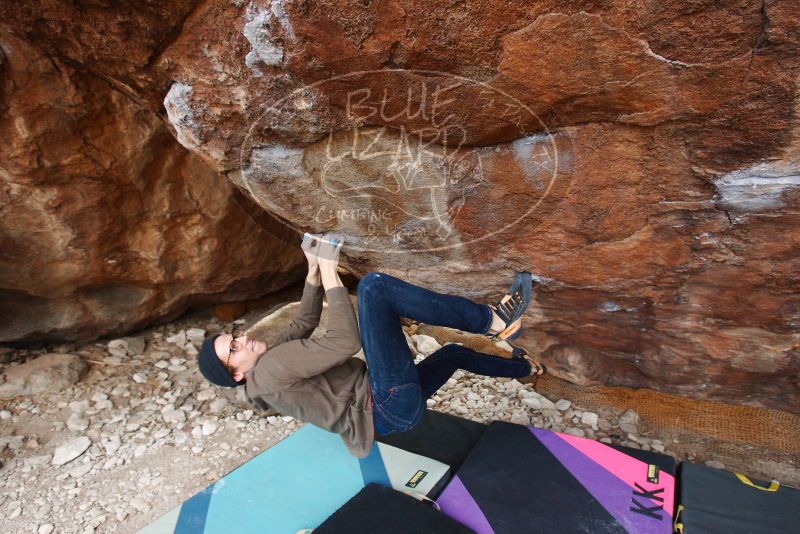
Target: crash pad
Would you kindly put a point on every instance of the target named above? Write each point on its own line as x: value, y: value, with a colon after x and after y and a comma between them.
x: 378, y: 509
x: 717, y: 501
x: 297, y: 484
x: 524, y: 479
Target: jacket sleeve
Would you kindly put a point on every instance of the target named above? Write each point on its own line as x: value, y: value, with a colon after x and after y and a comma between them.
x: 307, y: 317
x: 304, y: 358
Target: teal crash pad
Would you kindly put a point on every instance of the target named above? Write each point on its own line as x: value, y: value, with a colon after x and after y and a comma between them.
x: 297, y: 484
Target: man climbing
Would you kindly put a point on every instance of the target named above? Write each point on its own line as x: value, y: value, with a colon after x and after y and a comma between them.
x: 320, y: 382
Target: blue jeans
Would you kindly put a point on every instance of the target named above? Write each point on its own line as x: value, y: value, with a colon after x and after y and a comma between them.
x: 400, y: 388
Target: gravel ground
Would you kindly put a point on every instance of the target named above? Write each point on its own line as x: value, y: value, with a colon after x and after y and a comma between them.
x: 141, y: 431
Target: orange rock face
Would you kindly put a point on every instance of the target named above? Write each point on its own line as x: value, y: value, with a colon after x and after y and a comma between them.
x: 108, y: 223
x: 641, y: 159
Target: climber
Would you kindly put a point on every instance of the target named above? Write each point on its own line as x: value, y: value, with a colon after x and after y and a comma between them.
x: 319, y: 381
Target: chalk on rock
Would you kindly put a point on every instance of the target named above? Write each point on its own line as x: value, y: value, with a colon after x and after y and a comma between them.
x: 70, y: 450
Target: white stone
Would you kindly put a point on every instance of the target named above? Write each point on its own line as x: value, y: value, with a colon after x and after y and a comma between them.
x: 140, y: 451
x: 47, y: 528
x: 575, y: 432
x: 206, y: 394
x: 196, y: 336
x: 5, y: 414
x: 162, y: 364
x: 140, y: 504
x: 532, y: 402
x: 628, y: 422
x: 103, y: 405
x: 139, y: 378
x: 179, y: 338
x: 520, y: 418
x: 112, y: 444
x: 177, y: 368
x: 425, y: 344
x: 174, y: 416
x: 716, y: 464
x: 79, y: 406
x: 218, y: 405
x: 79, y: 470
x: 136, y: 345
x: 563, y: 404
x: 590, y: 419
x: 71, y: 450
x: 209, y: 427
x: 77, y: 422
x: 118, y: 348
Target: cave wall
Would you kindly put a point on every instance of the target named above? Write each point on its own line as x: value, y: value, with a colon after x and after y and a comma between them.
x: 640, y: 159
x: 107, y: 222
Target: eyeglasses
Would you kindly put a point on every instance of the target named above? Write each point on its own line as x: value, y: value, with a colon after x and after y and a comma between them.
x: 235, y: 346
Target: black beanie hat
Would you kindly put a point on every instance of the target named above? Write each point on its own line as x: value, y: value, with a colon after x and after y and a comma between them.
x: 212, y: 368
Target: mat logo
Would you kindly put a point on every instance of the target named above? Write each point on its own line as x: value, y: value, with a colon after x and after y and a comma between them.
x: 652, y: 495
x: 416, y: 479
x: 652, y: 473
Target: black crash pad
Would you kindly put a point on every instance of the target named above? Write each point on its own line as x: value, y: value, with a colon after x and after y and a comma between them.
x: 717, y: 501
x: 377, y: 509
x: 439, y: 436
x: 525, y: 479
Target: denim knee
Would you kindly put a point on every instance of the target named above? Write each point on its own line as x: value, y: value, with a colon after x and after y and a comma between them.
x: 369, y: 279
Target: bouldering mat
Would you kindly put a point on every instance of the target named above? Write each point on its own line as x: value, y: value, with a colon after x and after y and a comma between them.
x: 297, y: 484
x: 524, y: 479
x: 439, y: 436
x: 717, y: 501
x: 378, y: 509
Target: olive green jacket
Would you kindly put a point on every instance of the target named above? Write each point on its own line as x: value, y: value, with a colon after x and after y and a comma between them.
x: 318, y: 380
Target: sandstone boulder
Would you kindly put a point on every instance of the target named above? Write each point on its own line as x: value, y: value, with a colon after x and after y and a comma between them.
x: 48, y: 372
x: 641, y: 160
x: 107, y: 223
